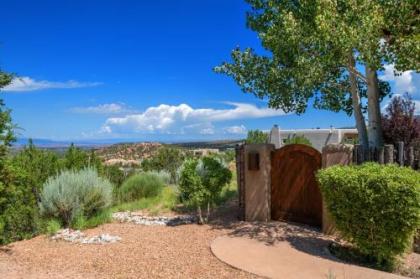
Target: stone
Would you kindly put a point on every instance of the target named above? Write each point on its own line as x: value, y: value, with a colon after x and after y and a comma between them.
x: 129, y: 217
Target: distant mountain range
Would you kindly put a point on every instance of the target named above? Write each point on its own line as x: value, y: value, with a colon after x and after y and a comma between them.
x: 52, y: 144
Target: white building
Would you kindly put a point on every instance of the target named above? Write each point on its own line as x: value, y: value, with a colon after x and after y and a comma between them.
x: 318, y: 137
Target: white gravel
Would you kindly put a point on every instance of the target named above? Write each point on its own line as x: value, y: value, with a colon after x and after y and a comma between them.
x: 130, y: 217
x: 77, y: 236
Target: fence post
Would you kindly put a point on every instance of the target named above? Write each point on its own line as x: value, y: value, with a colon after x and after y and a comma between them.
x: 389, y: 154
x: 381, y: 155
x: 401, y: 153
x: 240, y: 179
x: 360, y: 156
x: 411, y: 157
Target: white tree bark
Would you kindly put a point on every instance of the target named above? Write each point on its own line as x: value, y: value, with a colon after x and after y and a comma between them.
x: 357, y: 109
x: 374, y: 112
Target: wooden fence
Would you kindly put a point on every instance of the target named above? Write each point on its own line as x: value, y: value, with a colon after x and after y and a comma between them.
x: 240, y: 171
x: 404, y: 156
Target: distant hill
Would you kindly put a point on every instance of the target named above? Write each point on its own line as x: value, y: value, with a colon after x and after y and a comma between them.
x: 128, y: 151
x: 220, y: 144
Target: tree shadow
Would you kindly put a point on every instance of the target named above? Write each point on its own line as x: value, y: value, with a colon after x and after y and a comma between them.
x: 301, y: 237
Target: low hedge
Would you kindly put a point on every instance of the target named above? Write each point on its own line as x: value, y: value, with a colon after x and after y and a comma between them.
x: 376, y: 207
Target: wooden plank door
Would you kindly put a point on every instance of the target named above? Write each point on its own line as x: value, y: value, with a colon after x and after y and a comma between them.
x: 295, y: 194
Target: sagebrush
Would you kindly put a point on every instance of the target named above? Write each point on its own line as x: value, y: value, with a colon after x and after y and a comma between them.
x: 74, y: 193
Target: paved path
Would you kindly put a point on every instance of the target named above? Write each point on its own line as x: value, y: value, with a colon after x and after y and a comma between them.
x: 282, y: 260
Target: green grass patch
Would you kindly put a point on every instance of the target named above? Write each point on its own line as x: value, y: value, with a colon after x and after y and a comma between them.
x: 229, y: 191
x: 102, y: 217
x: 52, y: 226
x: 164, y: 202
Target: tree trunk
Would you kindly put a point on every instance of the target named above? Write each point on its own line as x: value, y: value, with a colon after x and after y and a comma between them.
x: 357, y: 109
x: 374, y: 111
x: 208, y: 212
x: 200, y: 215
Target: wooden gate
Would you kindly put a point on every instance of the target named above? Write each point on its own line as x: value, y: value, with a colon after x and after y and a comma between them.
x: 295, y: 194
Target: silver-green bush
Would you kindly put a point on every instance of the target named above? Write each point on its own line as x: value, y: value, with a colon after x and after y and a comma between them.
x: 73, y: 193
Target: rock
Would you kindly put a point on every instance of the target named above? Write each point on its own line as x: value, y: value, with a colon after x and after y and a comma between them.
x: 76, y: 236
x: 129, y: 217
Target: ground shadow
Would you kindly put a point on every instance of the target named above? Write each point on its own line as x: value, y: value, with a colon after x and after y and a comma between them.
x: 303, y: 238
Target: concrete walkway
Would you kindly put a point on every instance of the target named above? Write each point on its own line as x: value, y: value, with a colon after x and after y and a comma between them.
x: 283, y: 260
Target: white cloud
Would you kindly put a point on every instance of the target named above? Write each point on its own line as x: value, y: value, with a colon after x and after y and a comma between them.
x: 236, y: 129
x: 207, y: 131
x: 417, y: 104
x: 112, y: 108
x: 22, y: 84
x: 405, y: 82
x: 177, y: 119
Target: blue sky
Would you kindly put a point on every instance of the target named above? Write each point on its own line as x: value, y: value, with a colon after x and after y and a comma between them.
x: 138, y: 70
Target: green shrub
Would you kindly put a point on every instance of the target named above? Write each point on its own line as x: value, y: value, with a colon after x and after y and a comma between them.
x: 52, y: 226
x: 202, y: 181
x: 376, y: 207
x: 81, y: 222
x: 298, y: 139
x: 165, y: 201
x: 163, y: 175
x: 74, y: 193
x: 256, y: 137
x: 142, y: 185
x: 18, y: 210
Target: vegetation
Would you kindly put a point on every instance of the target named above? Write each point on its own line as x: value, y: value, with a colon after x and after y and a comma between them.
x: 142, y: 185
x: 201, y: 183
x: 167, y: 159
x: 399, y: 121
x: 38, y: 164
x: 256, y: 137
x: 75, y: 193
x: 82, y: 222
x: 375, y: 207
x: 165, y: 201
x: 17, y: 202
x: 327, y: 39
x: 52, y: 226
x: 298, y: 139
x: 18, y: 212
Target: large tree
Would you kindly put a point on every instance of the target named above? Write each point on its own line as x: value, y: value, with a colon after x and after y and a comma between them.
x: 315, y: 52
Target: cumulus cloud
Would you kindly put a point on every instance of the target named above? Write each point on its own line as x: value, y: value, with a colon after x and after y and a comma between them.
x: 23, y: 84
x: 236, y: 129
x: 405, y: 82
x: 417, y: 104
x: 177, y: 119
x: 112, y: 108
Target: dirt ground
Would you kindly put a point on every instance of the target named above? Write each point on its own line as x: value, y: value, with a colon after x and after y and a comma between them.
x: 143, y: 252
x: 149, y: 251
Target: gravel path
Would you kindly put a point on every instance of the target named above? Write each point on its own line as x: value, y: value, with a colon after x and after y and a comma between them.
x: 143, y: 252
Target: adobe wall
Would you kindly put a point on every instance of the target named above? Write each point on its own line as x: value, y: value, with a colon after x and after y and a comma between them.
x: 257, y: 182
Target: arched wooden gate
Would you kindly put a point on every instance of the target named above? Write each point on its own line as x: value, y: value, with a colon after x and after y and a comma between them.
x: 295, y: 194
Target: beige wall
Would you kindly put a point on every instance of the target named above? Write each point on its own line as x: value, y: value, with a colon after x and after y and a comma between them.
x: 258, y: 183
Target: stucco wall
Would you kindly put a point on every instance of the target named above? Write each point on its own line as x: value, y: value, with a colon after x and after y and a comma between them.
x: 258, y: 183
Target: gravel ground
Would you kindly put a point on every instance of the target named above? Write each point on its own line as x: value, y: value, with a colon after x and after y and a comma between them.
x: 143, y: 252
x: 152, y: 251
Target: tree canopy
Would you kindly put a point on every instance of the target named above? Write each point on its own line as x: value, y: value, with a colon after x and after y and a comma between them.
x: 314, y: 50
